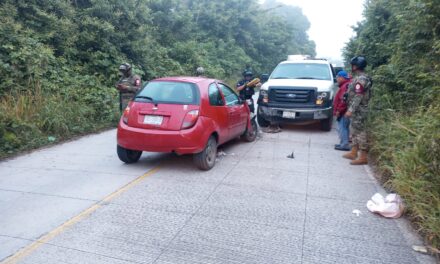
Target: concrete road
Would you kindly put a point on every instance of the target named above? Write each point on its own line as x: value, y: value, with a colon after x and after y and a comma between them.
x: 77, y: 203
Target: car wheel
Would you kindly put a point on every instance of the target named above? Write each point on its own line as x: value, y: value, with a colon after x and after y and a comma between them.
x: 326, y: 124
x: 261, y: 121
x: 205, y: 160
x: 128, y: 155
x: 251, y: 134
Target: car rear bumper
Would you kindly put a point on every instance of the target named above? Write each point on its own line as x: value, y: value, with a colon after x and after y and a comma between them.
x: 186, y: 141
x: 301, y: 114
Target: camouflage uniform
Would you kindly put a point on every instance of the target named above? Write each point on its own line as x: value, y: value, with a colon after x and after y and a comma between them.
x: 128, y: 87
x: 359, y: 94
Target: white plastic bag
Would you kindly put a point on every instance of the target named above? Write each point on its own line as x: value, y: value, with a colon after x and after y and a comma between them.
x: 390, y: 207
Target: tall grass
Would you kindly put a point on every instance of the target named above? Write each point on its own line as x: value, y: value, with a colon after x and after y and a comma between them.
x: 407, y: 147
x: 32, y: 118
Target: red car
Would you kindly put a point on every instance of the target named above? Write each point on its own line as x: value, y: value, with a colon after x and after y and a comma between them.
x: 184, y: 115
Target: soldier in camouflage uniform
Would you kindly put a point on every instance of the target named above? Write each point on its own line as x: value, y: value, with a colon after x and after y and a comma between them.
x: 128, y: 85
x: 358, y: 96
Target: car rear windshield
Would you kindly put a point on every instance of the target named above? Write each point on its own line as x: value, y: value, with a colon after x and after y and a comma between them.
x: 311, y: 71
x: 170, y: 93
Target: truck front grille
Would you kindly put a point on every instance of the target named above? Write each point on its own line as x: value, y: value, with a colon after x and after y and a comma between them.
x: 292, y: 95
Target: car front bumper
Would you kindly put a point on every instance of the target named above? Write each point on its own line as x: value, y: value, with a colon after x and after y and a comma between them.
x: 301, y: 114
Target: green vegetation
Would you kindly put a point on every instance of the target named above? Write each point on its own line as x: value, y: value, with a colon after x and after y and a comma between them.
x: 401, y: 40
x: 59, y: 59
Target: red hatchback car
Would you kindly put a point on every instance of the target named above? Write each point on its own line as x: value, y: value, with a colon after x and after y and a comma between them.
x: 184, y: 115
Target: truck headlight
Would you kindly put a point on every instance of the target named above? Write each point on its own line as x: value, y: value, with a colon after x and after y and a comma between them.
x: 322, y: 97
x: 264, y: 95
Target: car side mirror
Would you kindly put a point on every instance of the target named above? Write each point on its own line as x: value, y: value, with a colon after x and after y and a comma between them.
x: 264, y: 77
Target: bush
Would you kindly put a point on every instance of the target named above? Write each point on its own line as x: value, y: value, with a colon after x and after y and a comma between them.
x: 31, y: 119
x: 407, y: 147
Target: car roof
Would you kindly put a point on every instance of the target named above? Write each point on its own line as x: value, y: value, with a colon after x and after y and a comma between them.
x: 189, y: 79
x: 305, y: 61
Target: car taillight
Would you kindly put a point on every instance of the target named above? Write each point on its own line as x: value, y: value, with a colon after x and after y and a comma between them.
x: 190, y: 119
x: 125, y: 115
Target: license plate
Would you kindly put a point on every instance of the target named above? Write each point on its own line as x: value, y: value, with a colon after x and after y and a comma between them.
x: 288, y: 114
x: 153, y: 120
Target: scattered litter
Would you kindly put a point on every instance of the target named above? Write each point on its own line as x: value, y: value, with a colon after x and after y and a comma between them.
x: 221, y: 153
x: 357, y: 212
x: 291, y: 156
x: 272, y: 129
x: 390, y: 207
x: 51, y: 138
x: 421, y: 249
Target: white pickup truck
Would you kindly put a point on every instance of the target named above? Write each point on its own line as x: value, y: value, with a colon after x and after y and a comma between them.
x: 298, y: 90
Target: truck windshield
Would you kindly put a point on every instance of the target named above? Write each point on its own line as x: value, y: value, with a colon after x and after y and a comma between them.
x: 310, y: 71
x: 169, y: 92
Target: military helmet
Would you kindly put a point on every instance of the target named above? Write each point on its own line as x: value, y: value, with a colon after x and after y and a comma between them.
x: 359, y: 61
x: 248, y: 72
x: 125, y: 67
x: 200, y: 71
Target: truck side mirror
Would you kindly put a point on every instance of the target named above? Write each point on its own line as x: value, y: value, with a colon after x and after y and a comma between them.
x: 264, y: 77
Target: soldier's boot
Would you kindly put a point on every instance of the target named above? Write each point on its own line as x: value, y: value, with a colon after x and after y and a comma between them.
x: 353, y: 154
x: 362, y: 160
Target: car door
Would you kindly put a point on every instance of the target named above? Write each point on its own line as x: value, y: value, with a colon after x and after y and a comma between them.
x: 235, y: 109
x: 218, y: 111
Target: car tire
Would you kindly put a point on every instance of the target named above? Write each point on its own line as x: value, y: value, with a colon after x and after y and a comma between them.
x: 205, y: 160
x: 128, y: 155
x: 261, y: 121
x: 326, y: 124
x: 251, y: 135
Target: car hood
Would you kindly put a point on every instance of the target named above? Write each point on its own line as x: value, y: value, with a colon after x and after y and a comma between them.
x: 321, y: 85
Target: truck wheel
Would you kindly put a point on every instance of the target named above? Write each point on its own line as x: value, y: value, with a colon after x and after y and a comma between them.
x: 326, y: 124
x: 251, y: 134
x: 205, y: 160
x: 261, y: 121
x: 128, y: 155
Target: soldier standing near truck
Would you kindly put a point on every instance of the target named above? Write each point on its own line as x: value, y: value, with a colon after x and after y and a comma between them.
x: 128, y: 85
x: 359, y: 94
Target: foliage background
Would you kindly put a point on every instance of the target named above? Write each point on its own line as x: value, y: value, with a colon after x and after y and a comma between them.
x: 401, y: 42
x: 59, y: 59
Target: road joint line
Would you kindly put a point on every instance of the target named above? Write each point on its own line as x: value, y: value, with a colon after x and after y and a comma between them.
x: 50, y: 195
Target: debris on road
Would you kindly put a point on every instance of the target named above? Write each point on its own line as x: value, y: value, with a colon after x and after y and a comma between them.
x: 221, y: 153
x: 357, y: 212
x: 421, y: 249
x: 291, y: 156
x: 390, y: 206
x: 272, y: 129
